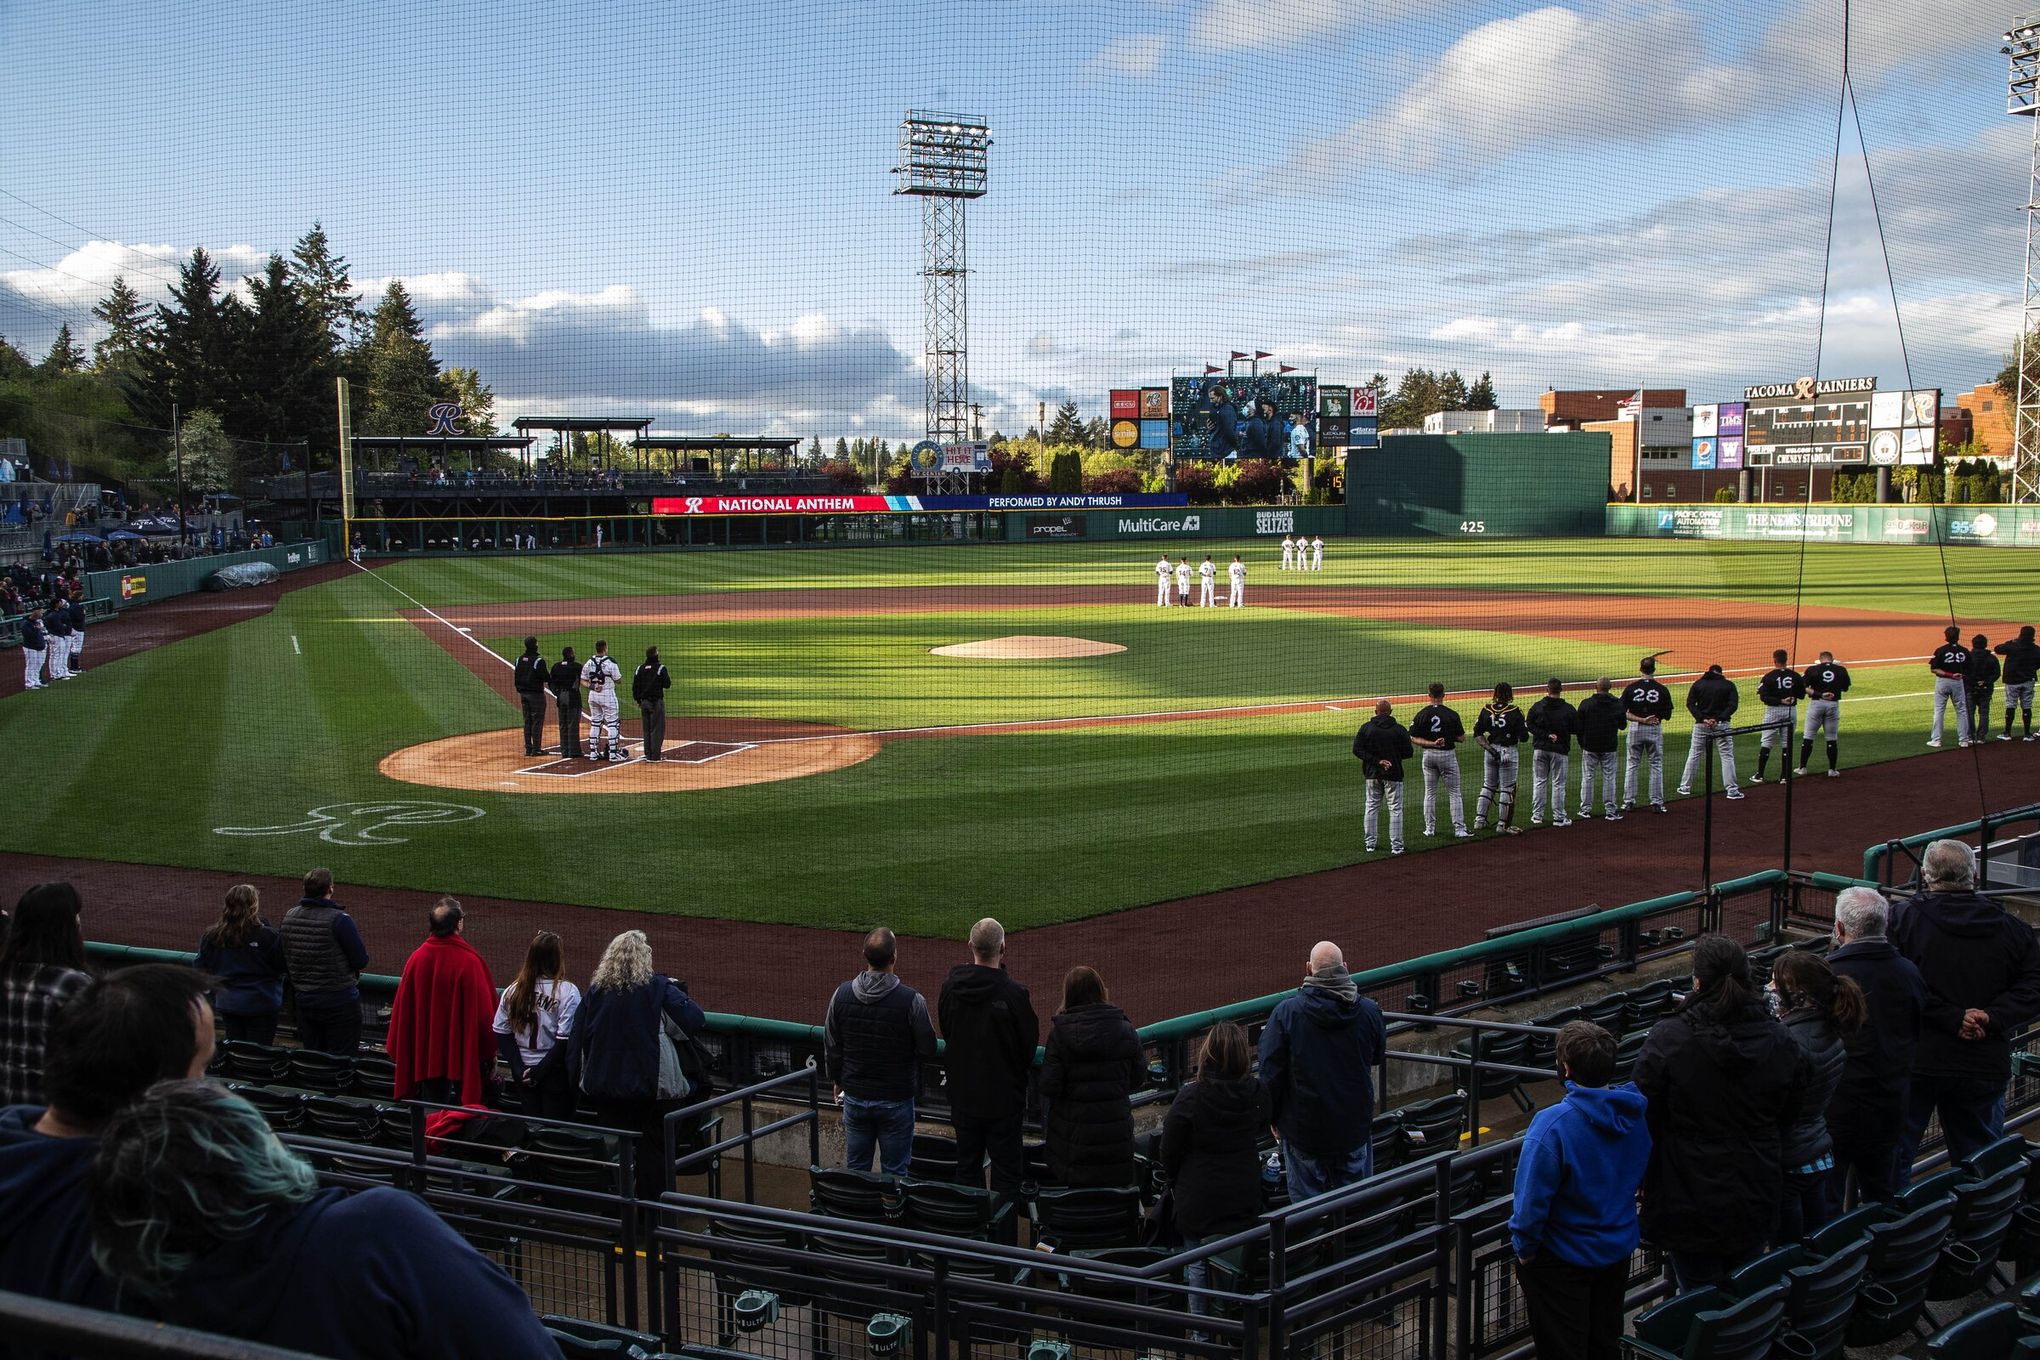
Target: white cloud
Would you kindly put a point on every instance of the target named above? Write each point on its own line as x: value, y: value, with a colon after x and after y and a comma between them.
x: 1233, y: 25
x: 1135, y: 55
x: 83, y: 276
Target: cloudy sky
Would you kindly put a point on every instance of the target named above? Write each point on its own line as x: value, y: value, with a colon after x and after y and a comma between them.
x: 685, y: 211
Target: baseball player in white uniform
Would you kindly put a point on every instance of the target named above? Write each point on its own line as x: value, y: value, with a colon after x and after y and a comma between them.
x: 1183, y: 581
x: 1162, y: 582
x: 1207, y: 584
x: 1236, y: 577
x: 602, y: 675
x: 1317, y: 554
x: 1288, y: 552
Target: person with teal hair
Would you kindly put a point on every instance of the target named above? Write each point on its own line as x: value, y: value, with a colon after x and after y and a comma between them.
x: 199, y: 1210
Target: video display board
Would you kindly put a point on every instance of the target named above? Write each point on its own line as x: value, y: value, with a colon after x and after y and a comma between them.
x: 1834, y: 422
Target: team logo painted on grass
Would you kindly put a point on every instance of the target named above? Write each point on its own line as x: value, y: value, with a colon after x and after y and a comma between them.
x: 363, y: 823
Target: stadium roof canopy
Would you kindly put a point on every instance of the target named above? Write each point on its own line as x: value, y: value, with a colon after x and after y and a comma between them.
x: 581, y: 424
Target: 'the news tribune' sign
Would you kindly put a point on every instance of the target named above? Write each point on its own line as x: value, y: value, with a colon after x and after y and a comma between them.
x: 852, y: 504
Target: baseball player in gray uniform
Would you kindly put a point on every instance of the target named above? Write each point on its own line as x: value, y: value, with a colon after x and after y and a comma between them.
x: 1438, y: 731
x: 1950, y: 665
x: 1646, y: 704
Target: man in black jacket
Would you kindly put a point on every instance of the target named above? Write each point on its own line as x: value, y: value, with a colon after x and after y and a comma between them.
x: 1601, y: 724
x: 875, y: 1039
x: 1712, y: 701
x: 1779, y: 693
x: 530, y: 682
x: 2022, y: 664
x: 1552, y: 722
x: 1381, y: 746
x: 1977, y: 686
x: 566, y: 691
x: 1319, y: 1050
x: 649, y: 688
x: 1982, y: 970
x: 1867, y: 1113
x: 990, y: 1029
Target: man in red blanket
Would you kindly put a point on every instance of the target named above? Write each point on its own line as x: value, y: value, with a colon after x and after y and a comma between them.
x: 440, y: 1026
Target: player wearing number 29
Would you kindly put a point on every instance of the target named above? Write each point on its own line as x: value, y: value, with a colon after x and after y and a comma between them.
x: 1950, y: 664
x: 1779, y: 693
x: 602, y: 675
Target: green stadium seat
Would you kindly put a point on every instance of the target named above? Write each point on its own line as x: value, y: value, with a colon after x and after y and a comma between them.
x: 1999, y: 1332
x: 1976, y: 1235
x: 257, y: 1063
x: 836, y: 1192
x: 1086, y: 1218
x: 582, y: 1340
x: 1709, y: 1324
x: 956, y: 1210
x: 1432, y: 1126
x: 1904, y: 1251
x: 311, y: 1070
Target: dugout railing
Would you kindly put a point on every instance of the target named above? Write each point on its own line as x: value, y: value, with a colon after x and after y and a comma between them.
x: 1884, y: 861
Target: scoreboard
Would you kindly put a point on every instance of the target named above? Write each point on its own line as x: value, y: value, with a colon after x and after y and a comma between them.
x: 1833, y: 422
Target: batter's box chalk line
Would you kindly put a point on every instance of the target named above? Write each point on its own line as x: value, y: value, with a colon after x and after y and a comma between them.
x: 361, y: 823
x: 680, y: 753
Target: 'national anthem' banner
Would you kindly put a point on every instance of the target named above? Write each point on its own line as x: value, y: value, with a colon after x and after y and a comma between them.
x: 897, y: 505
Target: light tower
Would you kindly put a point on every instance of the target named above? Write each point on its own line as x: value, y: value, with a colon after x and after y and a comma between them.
x: 2022, y: 98
x: 943, y: 163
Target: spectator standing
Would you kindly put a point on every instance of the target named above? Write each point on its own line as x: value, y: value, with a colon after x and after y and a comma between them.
x: 241, y: 1240
x: 875, y: 1038
x: 1601, y: 724
x: 1319, y: 1050
x: 1982, y: 972
x: 1723, y: 1080
x: 118, y: 1036
x: 42, y: 967
x: 1822, y: 1012
x: 628, y: 1038
x: 1381, y: 746
x: 1979, y: 685
x: 1867, y: 1116
x: 1209, y: 1140
x: 246, y: 954
x: 1573, y: 1226
x: 441, y: 1033
x: 324, y: 956
x: 533, y: 1025
x: 1092, y: 1064
x: 2022, y: 664
x: 990, y: 1031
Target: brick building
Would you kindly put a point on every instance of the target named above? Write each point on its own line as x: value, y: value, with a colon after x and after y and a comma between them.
x: 1575, y: 410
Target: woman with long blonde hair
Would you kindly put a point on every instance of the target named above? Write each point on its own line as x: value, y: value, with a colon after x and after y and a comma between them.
x: 617, y: 1040
x: 246, y: 955
x: 533, y: 1019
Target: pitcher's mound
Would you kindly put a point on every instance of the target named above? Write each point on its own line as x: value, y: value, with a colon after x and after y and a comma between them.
x: 1029, y: 647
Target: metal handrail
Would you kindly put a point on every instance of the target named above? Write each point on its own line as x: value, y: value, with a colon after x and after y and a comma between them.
x: 1877, y: 859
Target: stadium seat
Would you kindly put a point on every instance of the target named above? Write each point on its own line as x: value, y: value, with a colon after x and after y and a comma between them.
x: 583, y: 1340
x: 1388, y: 1142
x: 1541, y: 1049
x: 311, y: 1070
x: 745, y: 1255
x: 563, y: 1160
x: 1431, y: 1126
x: 285, y: 1110
x: 1998, y: 1332
x: 258, y: 1063
x: 1609, y: 1012
x: 1086, y: 1218
x: 393, y: 1128
x: 1510, y: 1050
x: 1976, y: 1234
x: 934, y: 1157
x: 958, y: 1210
x: 1647, y: 1004
x: 836, y: 1192
x: 2011, y: 1150
x: 1839, y: 1232
x: 1904, y: 1251
x: 1707, y: 1324
x: 375, y: 1075
x: 341, y: 1118
x: 1628, y: 1049
x: 1820, y: 1291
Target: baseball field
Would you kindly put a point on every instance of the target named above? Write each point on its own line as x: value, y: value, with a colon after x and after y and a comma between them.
x: 831, y: 768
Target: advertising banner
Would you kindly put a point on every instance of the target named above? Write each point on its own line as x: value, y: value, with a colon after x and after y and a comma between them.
x: 1728, y: 453
x: 1333, y: 431
x: 1364, y: 399
x: 1154, y: 434
x: 1335, y: 403
x: 1980, y: 526
x: 1703, y: 454
x: 133, y: 587
x: 1058, y: 526
x: 1090, y: 500
x: 1274, y: 521
x: 1126, y: 403
x: 1125, y: 434
x: 901, y: 505
x: 1154, y: 403
x: 1706, y: 421
x: 1731, y: 417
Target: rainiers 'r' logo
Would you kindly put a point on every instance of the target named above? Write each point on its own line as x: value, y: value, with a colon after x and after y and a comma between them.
x: 443, y: 414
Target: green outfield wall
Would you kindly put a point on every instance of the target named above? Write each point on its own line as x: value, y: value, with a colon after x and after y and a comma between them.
x: 1185, y: 521
x: 1479, y: 486
x: 1975, y: 526
x: 165, y: 580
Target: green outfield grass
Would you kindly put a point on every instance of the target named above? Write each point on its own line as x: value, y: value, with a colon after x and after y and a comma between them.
x: 254, y: 725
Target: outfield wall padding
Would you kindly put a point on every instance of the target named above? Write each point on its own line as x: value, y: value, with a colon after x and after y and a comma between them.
x: 166, y: 580
x: 1187, y: 521
x: 1972, y: 526
x: 1479, y: 486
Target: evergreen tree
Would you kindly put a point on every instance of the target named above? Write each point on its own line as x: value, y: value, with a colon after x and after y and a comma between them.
x: 321, y: 278
x: 126, y: 319
x: 198, y: 332
x: 842, y: 449
x: 398, y: 367
x: 814, y: 449
x: 1452, y: 393
x: 1481, y: 396
x: 64, y: 355
x: 477, y: 400
x: 1068, y: 425
x: 286, y: 368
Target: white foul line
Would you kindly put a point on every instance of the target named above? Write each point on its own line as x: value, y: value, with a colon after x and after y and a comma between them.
x: 294, y: 647
x: 458, y: 631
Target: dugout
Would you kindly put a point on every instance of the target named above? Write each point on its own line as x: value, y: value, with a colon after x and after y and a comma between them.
x: 1479, y: 485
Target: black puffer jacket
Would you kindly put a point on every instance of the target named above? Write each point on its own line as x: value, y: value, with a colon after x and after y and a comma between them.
x: 1208, y: 1145
x: 1807, y: 1141
x: 1722, y: 1093
x: 1092, y: 1065
x: 988, y: 1021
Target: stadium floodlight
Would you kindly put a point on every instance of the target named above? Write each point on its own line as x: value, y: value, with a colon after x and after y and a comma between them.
x: 944, y: 161
x: 2022, y: 99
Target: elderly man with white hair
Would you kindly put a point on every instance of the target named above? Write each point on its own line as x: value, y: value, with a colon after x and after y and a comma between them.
x: 1867, y: 1114
x: 1982, y: 971
x: 1319, y: 1050
x: 989, y: 1025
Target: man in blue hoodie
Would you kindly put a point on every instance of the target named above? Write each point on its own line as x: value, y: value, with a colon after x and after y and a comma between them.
x: 1319, y: 1050
x: 1574, y: 1227
x: 110, y: 1043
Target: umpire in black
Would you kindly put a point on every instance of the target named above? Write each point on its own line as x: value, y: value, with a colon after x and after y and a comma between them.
x: 649, y: 688
x: 566, y: 690
x: 531, y: 677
